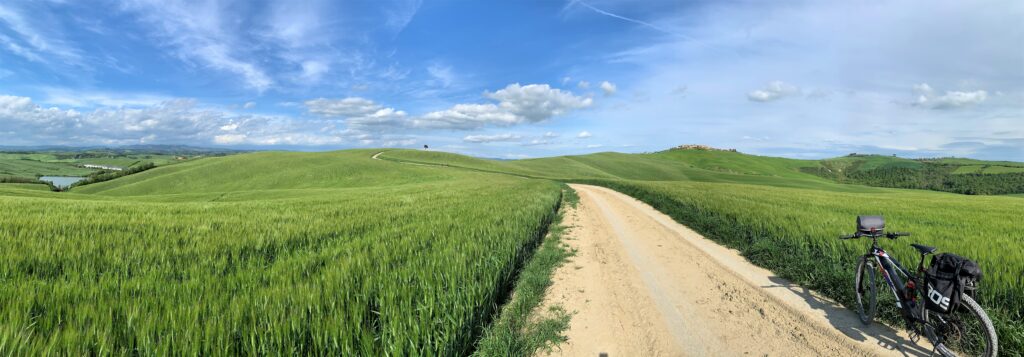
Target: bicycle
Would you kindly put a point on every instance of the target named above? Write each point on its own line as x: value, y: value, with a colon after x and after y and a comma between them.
x: 966, y: 329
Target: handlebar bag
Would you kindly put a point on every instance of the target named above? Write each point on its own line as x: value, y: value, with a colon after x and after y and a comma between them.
x: 948, y: 277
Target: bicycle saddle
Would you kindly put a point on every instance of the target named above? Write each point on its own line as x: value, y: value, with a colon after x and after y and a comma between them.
x: 924, y: 249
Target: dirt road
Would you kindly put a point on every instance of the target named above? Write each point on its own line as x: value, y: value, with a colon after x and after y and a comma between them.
x: 643, y: 285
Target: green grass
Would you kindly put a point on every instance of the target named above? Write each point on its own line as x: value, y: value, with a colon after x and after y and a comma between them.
x: 995, y: 170
x: 987, y: 169
x: 21, y: 166
x: 665, y: 166
x: 269, y: 253
x: 790, y: 225
x: 965, y: 161
x: 336, y: 253
x: 522, y: 330
x: 34, y: 164
x: 25, y: 186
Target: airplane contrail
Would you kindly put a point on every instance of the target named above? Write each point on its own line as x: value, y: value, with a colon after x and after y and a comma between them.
x: 620, y: 17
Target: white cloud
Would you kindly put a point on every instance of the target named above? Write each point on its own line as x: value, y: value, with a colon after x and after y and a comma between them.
x: 927, y: 98
x: 249, y: 105
x: 36, y: 40
x: 516, y: 104
x: 774, y: 91
x: 536, y: 142
x: 608, y: 88
x: 230, y: 139
x: 583, y: 85
x: 566, y: 80
x: 344, y: 107
x: 91, y: 99
x: 584, y: 134
x: 202, y: 32
x: 172, y: 121
x: 314, y: 70
x: 550, y: 134
x: 401, y: 13
x: 359, y: 113
x: 442, y: 75
x: 383, y: 118
x: 491, y: 138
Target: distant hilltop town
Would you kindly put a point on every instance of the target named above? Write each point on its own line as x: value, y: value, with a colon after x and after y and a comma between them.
x: 700, y: 147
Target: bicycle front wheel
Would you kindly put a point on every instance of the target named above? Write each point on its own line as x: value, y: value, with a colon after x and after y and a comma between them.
x: 967, y: 331
x: 866, y: 290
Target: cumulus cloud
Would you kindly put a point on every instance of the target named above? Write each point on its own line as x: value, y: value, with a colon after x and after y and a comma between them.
x: 359, y: 113
x: 927, y: 98
x: 344, y: 107
x: 491, y: 138
x: 583, y: 85
x: 536, y: 142
x: 172, y: 121
x: 584, y: 134
x: 773, y: 91
x: 249, y: 105
x: 608, y: 88
x: 550, y: 134
x: 516, y: 104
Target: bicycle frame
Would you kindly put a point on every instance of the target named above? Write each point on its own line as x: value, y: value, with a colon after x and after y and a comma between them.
x: 890, y: 268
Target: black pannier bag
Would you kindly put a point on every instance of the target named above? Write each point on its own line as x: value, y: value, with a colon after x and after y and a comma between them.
x: 949, y: 277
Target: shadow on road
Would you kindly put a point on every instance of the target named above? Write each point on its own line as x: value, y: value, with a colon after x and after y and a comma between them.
x: 847, y: 322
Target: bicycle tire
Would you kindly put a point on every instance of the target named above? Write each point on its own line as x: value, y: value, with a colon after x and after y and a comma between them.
x: 867, y: 313
x: 988, y: 331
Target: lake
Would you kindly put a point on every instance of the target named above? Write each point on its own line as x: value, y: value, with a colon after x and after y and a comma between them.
x: 62, y: 181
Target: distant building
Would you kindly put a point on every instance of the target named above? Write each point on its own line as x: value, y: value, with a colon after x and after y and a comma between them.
x: 102, y: 167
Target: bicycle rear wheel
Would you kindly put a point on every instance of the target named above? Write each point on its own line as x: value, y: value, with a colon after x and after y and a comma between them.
x: 865, y: 287
x: 967, y: 331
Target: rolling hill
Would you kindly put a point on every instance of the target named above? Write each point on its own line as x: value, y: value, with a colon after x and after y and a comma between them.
x: 266, y: 253
x: 292, y: 250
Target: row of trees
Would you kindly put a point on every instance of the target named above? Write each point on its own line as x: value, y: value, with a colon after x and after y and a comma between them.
x: 930, y: 177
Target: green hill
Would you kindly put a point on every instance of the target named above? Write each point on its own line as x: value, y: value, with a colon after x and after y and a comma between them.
x: 266, y: 253
x: 267, y: 171
x: 675, y: 165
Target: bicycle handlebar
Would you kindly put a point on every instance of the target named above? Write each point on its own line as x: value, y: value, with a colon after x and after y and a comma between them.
x: 890, y: 235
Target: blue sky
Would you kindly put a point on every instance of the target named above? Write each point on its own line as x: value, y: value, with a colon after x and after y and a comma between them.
x: 514, y: 79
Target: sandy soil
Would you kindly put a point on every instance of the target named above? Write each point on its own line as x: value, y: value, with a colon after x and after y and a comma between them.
x: 643, y: 285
